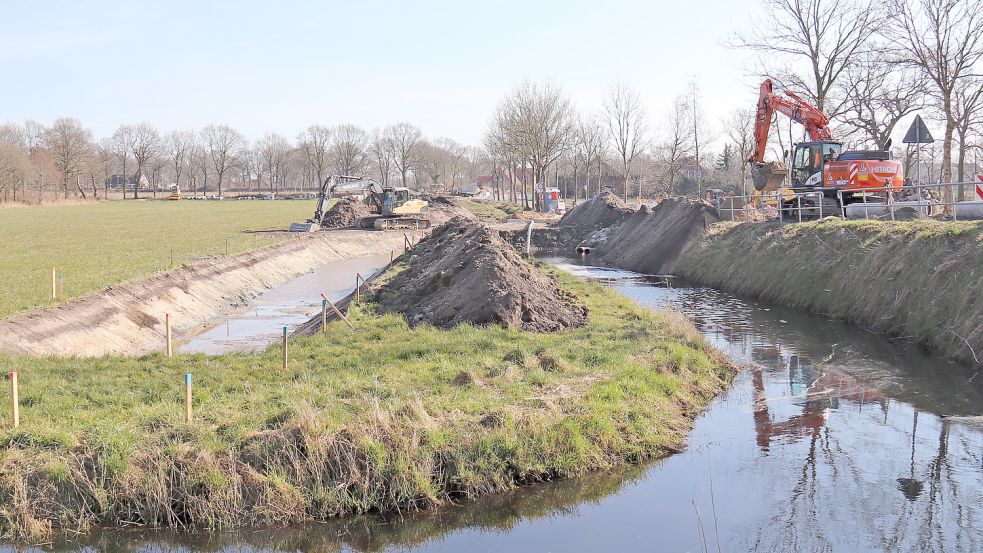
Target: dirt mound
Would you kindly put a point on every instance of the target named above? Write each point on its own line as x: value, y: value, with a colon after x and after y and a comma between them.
x: 464, y: 272
x: 651, y: 240
x: 444, y: 208
x: 345, y: 213
x: 604, y: 210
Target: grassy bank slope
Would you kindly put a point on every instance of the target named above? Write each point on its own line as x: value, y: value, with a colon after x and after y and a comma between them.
x: 922, y: 280
x: 97, y: 245
x: 386, y: 417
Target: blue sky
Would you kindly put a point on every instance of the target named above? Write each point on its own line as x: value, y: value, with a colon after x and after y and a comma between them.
x: 280, y: 66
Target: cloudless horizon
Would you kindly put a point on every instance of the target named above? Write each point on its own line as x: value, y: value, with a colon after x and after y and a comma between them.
x: 280, y: 67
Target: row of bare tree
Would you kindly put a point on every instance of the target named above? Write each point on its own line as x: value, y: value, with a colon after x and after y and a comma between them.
x: 866, y: 63
x: 63, y: 158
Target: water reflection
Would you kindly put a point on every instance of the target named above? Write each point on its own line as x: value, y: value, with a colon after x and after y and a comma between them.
x: 832, y: 439
x: 254, y: 326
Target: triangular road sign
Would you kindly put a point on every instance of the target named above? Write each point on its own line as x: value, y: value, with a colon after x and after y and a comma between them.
x: 918, y: 133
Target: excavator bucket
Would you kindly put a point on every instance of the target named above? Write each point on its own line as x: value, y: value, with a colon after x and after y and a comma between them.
x: 768, y: 177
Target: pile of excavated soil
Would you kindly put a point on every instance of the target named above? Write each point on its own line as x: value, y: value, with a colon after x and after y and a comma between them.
x: 602, y: 211
x: 345, y: 213
x: 651, y: 240
x: 444, y: 208
x: 464, y: 272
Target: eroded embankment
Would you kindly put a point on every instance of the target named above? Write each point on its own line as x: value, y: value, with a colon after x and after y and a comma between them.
x: 128, y: 318
x: 920, y: 280
x: 382, y: 416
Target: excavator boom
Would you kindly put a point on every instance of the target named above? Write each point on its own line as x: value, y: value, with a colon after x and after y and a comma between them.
x: 768, y: 177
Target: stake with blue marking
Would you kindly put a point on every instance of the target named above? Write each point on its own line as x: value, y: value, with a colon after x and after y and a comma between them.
x: 187, y: 397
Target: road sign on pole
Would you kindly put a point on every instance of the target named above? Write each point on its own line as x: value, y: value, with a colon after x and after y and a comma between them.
x: 918, y: 134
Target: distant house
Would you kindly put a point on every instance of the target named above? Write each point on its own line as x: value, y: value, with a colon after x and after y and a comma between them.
x: 117, y: 180
x: 692, y: 170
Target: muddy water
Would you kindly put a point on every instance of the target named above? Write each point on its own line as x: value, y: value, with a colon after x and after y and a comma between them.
x: 831, y: 439
x: 254, y: 326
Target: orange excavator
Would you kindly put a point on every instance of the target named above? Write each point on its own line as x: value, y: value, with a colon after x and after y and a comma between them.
x: 820, y: 167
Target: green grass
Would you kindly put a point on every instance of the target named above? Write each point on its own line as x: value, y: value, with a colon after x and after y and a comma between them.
x: 381, y: 418
x: 102, y: 244
x: 491, y: 211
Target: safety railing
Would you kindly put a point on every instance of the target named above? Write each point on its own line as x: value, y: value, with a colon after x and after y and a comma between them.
x: 945, y: 201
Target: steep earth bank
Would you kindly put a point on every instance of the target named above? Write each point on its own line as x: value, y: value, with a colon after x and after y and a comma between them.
x: 917, y: 280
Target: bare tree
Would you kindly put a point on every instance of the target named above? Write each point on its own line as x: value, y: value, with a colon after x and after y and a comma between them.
x: 590, y: 141
x: 381, y: 156
x: 273, y: 150
x: 104, y: 161
x: 537, y: 122
x: 877, y: 94
x: 145, y: 146
x: 943, y: 38
x: 676, y: 146
x: 404, y: 143
x: 224, y: 147
x: 969, y: 116
x: 807, y: 44
x: 69, y: 144
x: 315, y: 142
x: 627, y: 126
x: 122, y: 144
x: 15, y: 167
x: 349, y: 150
x: 701, y: 133
x: 740, y: 130
x: 179, y: 146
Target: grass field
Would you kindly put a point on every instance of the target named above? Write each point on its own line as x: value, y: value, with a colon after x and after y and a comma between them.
x: 101, y: 244
x: 385, y: 417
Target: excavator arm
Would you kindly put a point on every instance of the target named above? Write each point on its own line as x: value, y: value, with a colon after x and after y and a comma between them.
x: 769, y: 176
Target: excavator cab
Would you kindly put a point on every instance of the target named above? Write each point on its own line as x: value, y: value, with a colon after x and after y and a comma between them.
x: 808, y: 162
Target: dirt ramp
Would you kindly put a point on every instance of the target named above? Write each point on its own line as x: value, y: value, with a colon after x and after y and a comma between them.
x: 444, y: 208
x: 602, y: 211
x: 464, y: 272
x: 651, y: 240
x: 345, y: 213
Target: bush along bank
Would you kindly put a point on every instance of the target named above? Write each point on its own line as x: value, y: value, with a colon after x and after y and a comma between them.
x: 386, y: 417
x: 917, y: 280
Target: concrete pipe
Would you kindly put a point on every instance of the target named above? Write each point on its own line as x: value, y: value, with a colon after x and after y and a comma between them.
x: 583, y: 250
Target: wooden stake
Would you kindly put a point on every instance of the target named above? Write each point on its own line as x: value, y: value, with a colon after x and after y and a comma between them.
x: 324, y: 316
x: 169, y: 350
x: 340, y: 314
x: 187, y: 397
x: 284, y: 348
x: 14, y: 399
x: 54, y: 282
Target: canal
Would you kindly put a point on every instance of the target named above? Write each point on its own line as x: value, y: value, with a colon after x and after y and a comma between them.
x: 831, y: 438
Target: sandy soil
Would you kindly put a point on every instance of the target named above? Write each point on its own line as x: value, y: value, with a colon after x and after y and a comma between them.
x: 464, y: 272
x: 345, y: 213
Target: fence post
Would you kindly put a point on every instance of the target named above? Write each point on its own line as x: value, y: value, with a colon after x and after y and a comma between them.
x: 284, y: 348
x: 169, y: 350
x: 14, y: 400
x: 187, y: 397
x: 324, y: 316
x: 338, y: 312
